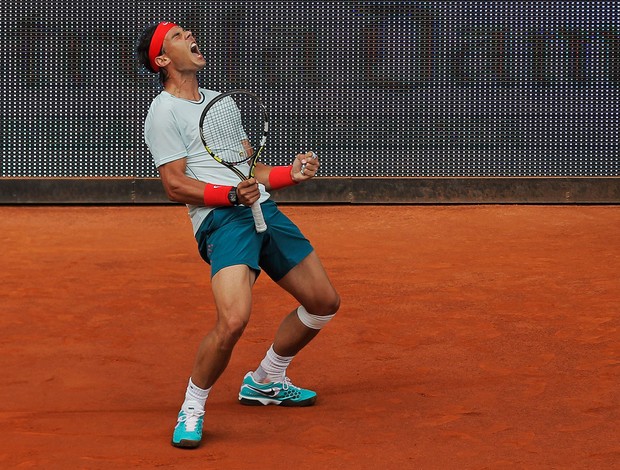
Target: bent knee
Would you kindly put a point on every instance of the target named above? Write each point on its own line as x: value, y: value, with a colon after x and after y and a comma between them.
x: 334, y: 306
x: 325, y: 305
x: 230, y: 330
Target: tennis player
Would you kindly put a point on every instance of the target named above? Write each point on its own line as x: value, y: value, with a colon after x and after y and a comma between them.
x: 224, y: 230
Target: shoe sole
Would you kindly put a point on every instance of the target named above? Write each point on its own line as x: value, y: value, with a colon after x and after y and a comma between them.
x: 267, y: 401
x: 186, y: 444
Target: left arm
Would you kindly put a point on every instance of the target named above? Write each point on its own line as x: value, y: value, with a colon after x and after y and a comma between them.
x: 308, y: 162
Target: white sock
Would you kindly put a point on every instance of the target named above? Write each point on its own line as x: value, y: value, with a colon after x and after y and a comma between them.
x: 272, y: 368
x: 195, y: 397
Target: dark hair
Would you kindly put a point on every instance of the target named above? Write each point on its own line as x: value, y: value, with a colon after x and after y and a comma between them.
x: 143, y: 52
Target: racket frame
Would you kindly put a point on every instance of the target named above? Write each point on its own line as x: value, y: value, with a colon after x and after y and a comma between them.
x: 257, y: 213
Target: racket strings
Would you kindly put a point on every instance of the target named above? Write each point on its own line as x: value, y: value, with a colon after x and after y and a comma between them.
x: 232, y: 129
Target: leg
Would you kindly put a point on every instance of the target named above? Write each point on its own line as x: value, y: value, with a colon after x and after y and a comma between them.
x: 232, y: 290
x: 234, y: 266
x: 309, y: 284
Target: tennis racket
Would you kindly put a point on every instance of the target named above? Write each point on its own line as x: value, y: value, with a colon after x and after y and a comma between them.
x: 233, y: 129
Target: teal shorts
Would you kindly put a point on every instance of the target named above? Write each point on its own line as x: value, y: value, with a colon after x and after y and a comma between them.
x: 227, y: 237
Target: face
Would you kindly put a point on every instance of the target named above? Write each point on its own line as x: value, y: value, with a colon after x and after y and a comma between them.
x: 181, y: 50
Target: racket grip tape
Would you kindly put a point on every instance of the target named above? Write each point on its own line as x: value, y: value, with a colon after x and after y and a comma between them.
x: 259, y: 219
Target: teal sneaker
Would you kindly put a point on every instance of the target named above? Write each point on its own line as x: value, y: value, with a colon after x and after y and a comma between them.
x: 274, y: 393
x: 188, y: 431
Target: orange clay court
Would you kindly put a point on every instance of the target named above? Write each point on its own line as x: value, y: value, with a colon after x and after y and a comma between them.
x: 468, y: 337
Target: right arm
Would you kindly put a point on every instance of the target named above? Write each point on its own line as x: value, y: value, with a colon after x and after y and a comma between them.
x: 178, y: 186
x: 185, y: 190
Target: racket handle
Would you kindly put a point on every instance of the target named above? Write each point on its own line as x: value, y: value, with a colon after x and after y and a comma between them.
x: 259, y: 219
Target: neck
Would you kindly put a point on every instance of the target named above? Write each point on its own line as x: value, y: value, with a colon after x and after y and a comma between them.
x: 185, y: 88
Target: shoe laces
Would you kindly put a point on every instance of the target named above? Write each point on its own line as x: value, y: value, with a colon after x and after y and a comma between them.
x: 286, y: 384
x: 290, y: 390
x: 191, y: 418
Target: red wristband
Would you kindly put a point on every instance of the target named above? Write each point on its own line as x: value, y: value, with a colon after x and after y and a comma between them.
x: 217, y: 195
x: 280, y: 177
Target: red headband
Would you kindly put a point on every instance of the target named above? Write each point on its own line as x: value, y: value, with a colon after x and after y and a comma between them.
x: 157, y: 41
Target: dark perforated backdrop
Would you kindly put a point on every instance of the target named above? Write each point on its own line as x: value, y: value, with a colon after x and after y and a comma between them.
x: 378, y: 88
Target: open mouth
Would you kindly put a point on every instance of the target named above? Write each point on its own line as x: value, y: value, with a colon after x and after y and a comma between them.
x: 194, y: 49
